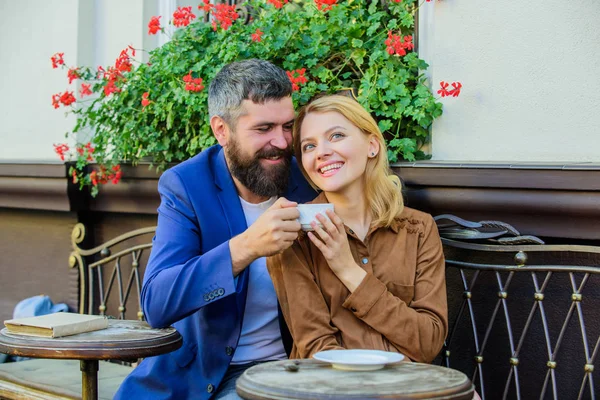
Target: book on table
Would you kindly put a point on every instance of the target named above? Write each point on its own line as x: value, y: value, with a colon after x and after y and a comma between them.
x: 56, y: 325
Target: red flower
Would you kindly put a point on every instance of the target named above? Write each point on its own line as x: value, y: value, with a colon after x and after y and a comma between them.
x: 183, y: 16
x: 193, y: 84
x: 456, y: 91
x: 72, y: 74
x: 116, y: 176
x: 123, y: 63
x: 225, y: 15
x: 74, y: 174
x: 154, y: 25
x: 101, y: 72
x: 67, y: 98
x: 206, y: 7
x: 397, y: 45
x: 57, y: 59
x: 110, y: 88
x: 444, y: 89
x: 132, y: 50
x: 61, y: 149
x: 297, y: 77
x: 277, y: 3
x: 325, y: 5
x: 145, y: 100
x: 55, y: 100
x: 86, y: 150
x: 94, y: 178
x: 85, y: 90
x: 256, y: 35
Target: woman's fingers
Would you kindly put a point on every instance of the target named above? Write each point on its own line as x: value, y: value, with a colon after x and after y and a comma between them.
x: 320, y: 245
x: 329, y: 226
x: 325, y: 236
x: 336, y: 220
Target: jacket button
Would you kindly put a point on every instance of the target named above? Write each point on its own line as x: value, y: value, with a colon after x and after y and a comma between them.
x: 206, y: 298
x: 210, y: 388
x: 229, y: 350
x: 365, y: 260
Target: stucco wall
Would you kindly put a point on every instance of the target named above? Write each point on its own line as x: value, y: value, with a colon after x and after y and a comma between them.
x: 530, y: 73
x: 31, y: 31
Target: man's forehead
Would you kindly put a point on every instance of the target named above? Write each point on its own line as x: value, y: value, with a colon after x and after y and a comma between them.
x: 275, y: 109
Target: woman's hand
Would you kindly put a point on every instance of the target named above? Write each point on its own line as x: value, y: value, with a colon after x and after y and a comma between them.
x: 332, y: 240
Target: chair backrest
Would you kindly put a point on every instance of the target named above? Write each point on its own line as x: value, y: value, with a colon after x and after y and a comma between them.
x: 110, y: 275
x: 524, y: 316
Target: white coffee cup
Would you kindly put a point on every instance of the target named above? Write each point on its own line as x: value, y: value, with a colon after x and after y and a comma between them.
x: 308, y: 214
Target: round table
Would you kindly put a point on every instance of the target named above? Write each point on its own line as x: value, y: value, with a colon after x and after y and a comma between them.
x: 312, y: 379
x: 122, y: 340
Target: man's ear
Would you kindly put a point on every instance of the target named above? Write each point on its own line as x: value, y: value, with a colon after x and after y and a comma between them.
x: 220, y: 130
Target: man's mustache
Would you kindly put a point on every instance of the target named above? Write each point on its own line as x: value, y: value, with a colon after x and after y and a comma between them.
x: 274, y: 152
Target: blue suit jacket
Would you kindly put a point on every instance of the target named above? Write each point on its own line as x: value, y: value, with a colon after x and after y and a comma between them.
x: 189, y: 282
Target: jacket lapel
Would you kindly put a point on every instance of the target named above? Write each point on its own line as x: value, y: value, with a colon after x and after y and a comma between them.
x: 234, y: 215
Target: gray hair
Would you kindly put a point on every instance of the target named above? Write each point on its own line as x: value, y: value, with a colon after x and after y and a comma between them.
x: 255, y: 80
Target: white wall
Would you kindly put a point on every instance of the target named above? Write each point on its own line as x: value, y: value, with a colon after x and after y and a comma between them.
x: 531, y: 78
x: 31, y: 31
x: 530, y: 71
x: 89, y: 32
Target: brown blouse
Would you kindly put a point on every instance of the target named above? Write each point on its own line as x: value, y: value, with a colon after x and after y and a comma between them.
x: 399, y: 306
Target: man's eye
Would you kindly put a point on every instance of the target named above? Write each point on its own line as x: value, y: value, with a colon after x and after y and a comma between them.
x: 264, y: 129
x: 288, y: 127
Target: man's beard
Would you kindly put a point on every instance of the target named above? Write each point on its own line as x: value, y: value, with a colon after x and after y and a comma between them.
x: 267, y: 182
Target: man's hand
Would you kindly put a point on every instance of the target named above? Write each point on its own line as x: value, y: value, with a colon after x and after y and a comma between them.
x: 274, y: 231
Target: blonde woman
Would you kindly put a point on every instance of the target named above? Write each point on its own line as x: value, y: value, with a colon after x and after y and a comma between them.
x: 372, y: 277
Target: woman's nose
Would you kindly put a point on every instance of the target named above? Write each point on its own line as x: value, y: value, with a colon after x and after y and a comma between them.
x: 323, y: 151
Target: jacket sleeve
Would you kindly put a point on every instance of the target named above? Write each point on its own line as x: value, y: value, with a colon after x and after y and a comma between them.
x: 418, y: 329
x: 179, y: 279
x: 307, y: 315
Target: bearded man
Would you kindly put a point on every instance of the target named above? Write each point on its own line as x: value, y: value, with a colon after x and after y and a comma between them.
x: 221, y: 213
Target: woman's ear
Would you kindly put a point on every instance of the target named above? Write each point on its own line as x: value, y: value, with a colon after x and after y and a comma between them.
x: 373, y: 146
x: 220, y: 130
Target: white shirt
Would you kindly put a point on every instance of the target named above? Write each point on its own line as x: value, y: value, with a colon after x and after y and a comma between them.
x: 260, y: 338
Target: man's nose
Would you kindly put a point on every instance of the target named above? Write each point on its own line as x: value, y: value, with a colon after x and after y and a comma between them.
x: 280, y: 138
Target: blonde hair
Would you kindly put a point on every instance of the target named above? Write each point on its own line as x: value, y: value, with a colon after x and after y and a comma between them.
x: 383, y: 189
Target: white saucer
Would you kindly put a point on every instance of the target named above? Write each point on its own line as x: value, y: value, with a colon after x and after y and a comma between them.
x: 358, y: 360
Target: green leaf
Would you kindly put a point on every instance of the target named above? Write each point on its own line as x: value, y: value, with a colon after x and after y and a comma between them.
x: 357, y: 43
x: 384, y: 125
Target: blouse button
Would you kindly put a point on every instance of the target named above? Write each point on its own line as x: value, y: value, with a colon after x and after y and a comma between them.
x: 365, y: 260
x: 353, y: 309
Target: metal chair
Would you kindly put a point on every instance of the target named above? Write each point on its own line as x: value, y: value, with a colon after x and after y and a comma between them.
x: 102, y: 270
x: 524, y: 315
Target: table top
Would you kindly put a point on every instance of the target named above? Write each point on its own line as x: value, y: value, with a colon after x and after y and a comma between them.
x: 318, y: 380
x: 122, y: 340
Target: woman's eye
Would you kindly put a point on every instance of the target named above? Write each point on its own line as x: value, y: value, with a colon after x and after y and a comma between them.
x: 307, y: 147
x: 337, y: 135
